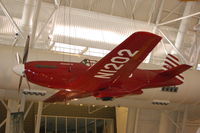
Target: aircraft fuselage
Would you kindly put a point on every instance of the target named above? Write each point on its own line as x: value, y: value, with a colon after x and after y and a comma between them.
x: 73, y: 80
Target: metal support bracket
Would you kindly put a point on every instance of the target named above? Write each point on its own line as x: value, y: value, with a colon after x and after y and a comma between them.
x: 2, y: 123
x: 90, y: 111
x: 28, y: 109
x: 4, y: 104
x: 83, y: 51
x: 172, y: 121
x: 46, y: 105
x: 15, y: 41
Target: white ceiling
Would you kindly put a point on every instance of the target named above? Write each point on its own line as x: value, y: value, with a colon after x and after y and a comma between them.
x: 104, y: 15
x: 136, y: 9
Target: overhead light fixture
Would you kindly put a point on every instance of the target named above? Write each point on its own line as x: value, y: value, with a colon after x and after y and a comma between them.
x: 75, y: 99
x: 106, y: 106
x: 34, y: 92
x: 68, y: 90
x: 81, y: 104
x: 198, y: 67
x: 170, y: 89
x: 160, y: 102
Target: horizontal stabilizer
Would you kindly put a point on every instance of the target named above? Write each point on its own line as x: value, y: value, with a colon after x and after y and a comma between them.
x: 176, y: 71
x: 173, y: 67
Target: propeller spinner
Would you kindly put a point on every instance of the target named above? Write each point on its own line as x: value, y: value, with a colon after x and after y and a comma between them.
x: 19, y: 69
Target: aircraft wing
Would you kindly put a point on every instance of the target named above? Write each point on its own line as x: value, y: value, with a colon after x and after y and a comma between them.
x: 125, y: 58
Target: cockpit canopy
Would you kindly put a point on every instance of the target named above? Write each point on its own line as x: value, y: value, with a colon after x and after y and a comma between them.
x: 89, y: 62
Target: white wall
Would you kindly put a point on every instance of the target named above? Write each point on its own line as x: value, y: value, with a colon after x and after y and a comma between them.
x: 149, y: 120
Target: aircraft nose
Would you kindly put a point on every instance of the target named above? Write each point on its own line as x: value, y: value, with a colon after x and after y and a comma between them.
x: 19, y: 69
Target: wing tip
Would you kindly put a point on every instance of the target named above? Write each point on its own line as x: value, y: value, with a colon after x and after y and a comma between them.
x: 147, y: 33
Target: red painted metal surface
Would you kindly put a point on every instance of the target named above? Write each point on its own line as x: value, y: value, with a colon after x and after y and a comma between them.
x: 115, y: 75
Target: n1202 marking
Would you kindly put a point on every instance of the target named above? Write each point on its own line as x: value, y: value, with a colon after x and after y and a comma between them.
x: 117, y: 62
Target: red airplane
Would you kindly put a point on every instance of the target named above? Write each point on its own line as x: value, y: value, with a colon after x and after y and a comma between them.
x: 115, y: 75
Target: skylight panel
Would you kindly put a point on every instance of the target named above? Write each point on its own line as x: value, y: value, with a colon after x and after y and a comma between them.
x: 92, y: 34
x: 61, y: 47
x: 96, y: 52
x: 198, y: 67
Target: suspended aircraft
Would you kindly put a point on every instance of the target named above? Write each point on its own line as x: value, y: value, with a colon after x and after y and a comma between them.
x: 115, y: 75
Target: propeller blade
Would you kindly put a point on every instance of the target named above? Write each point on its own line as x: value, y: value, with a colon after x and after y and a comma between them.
x: 26, y: 49
x: 29, y: 87
x: 19, y: 60
x: 20, y: 83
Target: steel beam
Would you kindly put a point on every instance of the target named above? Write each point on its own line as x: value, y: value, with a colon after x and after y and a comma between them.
x: 130, y: 120
x: 15, y: 42
x: 149, y: 57
x: 184, y: 59
x: 125, y: 6
x: 70, y: 3
x: 46, y: 23
x: 164, y: 47
x: 27, y: 16
x: 159, y: 15
x: 172, y: 11
x: 83, y: 51
x: 133, y: 9
x: 27, y: 111
x: 179, y: 14
x: 172, y: 121
x: 90, y: 4
x: 163, y: 127
x: 153, y: 6
x: 2, y: 123
x: 184, y: 119
x: 52, y: 44
x: 95, y: 110
x: 112, y: 6
x: 4, y: 104
x: 46, y: 105
x: 183, y: 26
x: 57, y: 3
x: 177, y: 121
x: 22, y: 103
x: 136, y: 120
x: 35, y: 21
x: 51, y: 32
x: 13, y: 106
x: 38, y: 120
x: 178, y: 19
x: 5, y: 11
x: 197, y: 28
